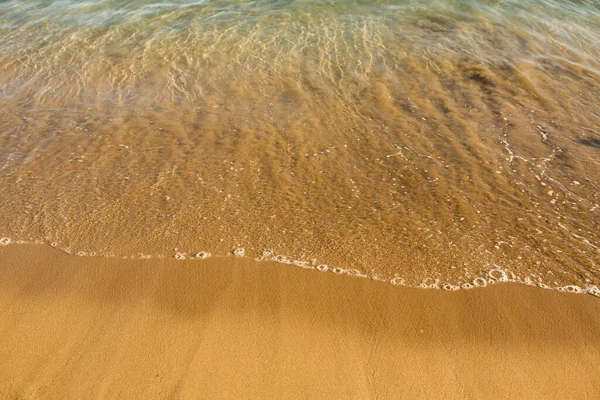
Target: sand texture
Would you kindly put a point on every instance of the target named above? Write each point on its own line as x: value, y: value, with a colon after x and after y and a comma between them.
x: 91, y: 327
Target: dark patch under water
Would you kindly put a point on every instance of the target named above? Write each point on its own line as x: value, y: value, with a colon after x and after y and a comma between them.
x: 591, y: 142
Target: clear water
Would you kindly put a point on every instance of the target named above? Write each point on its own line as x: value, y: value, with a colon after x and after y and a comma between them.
x: 431, y: 141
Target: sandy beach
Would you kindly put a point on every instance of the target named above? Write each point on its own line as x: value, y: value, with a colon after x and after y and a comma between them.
x: 299, y: 199
x: 92, y: 327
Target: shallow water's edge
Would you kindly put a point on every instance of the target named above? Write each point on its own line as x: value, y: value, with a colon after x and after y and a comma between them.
x: 494, y: 276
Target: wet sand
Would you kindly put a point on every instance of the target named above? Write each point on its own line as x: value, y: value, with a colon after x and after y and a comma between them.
x: 93, y: 327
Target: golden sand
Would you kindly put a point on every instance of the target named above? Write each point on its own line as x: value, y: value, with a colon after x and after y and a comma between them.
x: 91, y: 327
x: 439, y: 143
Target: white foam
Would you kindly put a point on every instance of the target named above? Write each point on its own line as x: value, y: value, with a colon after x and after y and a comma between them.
x: 356, y: 273
x: 593, y: 290
x: 239, y: 252
x: 543, y: 285
x: 528, y: 281
x: 281, y: 259
x: 498, y: 274
x: 433, y: 285
x: 450, y: 287
x: 302, y: 264
x: 480, y: 282
x: 570, y: 289
x: 265, y: 254
x: 397, y: 281
x: 202, y: 255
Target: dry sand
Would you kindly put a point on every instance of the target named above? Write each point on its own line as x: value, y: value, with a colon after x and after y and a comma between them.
x: 81, y: 328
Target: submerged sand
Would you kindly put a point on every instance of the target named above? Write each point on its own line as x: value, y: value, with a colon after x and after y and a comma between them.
x: 425, y: 140
x: 93, y: 327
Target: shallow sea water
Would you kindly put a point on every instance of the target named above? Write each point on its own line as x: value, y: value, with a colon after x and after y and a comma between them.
x: 423, y: 142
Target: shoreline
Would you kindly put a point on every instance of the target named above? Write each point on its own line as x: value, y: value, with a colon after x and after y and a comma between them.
x: 98, y: 327
x: 494, y: 276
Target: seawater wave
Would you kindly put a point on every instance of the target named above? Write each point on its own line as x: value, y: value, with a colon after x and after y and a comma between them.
x: 401, y: 139
x: 495, y: 275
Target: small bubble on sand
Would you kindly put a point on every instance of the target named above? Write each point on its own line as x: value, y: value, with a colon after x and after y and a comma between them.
x: 429, y: 283
x: 239, y: 252
x: 480, y: 282
x: 450, y: 287
x: 397, y: 281
x: 202, y: 255
x: 355, y: 272
x: 281, y: 259
x: 498, y: 274
x: 266, y: 253
x: 302, y: 264
x: 570, y: 289
x: 543, y: 285
x: 593, y: 290
x: 4, y: 241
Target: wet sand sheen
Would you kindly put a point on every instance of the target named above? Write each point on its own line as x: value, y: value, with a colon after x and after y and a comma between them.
x: 96, y: 327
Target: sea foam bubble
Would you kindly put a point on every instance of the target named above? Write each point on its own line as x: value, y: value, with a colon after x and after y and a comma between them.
x: 202, y: 255
x: 239, y: 252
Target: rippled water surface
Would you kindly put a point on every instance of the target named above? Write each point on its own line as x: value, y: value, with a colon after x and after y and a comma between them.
x: 432, y: 140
